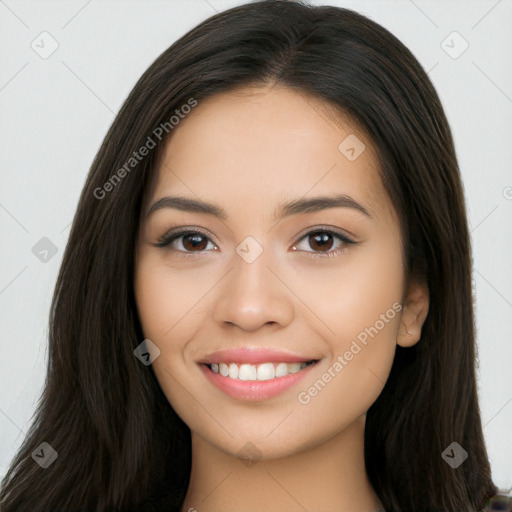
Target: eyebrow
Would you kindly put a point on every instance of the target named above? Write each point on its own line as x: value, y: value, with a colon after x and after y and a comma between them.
x: 295, y: 207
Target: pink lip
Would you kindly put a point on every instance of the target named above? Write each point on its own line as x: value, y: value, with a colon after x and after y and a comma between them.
x: 254, y: 389
x: 254, y: 356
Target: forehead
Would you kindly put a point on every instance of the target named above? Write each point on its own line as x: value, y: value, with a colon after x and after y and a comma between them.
x: 271, y: 143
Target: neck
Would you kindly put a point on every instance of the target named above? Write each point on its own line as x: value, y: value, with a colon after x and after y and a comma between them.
x: 330, y: 477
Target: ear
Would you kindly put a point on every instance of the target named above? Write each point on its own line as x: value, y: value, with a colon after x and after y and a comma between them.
x: 414, y: 314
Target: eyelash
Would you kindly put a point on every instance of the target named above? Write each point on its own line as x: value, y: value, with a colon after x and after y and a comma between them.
x: 168, y: 238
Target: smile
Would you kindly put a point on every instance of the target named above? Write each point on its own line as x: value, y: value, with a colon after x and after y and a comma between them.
x: 256, y: 382
x: 260, y: 372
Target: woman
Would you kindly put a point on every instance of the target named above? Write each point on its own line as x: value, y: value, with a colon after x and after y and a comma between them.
x: 317, y: 352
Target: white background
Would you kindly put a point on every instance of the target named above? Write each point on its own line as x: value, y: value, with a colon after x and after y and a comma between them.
x: 56, y: 111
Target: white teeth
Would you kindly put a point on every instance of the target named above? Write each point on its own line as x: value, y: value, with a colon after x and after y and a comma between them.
x: 247, y: 372
x: 281, y: 370
x: 233, y: 371
x: 293, y: 367
x: 264, y: 371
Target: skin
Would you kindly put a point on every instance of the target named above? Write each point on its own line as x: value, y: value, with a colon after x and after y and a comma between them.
x: 249, y: 151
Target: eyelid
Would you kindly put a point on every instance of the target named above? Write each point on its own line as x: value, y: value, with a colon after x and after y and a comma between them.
x: 325, y: 228
x: 335, y: 233
x: 174, y: 233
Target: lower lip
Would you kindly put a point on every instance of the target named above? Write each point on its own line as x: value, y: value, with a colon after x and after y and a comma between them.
x: 255, y: 389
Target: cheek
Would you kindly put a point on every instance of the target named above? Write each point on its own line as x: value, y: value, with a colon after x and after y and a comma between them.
x: 351, y: 295
x: 163, y: 297
x: 162, y: 303
x: 361, y: 354
x: 359, y: 304
x: 170, y: 305
x: 151, y: 295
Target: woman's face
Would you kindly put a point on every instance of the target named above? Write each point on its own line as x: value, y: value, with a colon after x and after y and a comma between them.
x: 299, y: 261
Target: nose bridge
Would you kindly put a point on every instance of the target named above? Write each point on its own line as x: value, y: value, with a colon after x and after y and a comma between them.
x: 252, y: 295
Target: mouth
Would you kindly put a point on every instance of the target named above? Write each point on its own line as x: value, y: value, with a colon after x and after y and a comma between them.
x: 256, y: 380
x: 258, y: 372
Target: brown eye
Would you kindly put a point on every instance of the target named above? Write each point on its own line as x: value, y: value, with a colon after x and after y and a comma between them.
x: 321, y: 241
x: 185, y: 241
x: 194, y: 241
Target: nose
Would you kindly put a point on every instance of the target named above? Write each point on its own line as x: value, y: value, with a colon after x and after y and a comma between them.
x: 253, y: 295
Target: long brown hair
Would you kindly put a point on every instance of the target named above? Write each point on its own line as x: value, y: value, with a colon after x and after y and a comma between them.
x: 120, y: 444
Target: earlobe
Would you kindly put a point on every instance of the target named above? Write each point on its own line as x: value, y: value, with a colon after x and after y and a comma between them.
x: 413, y: 315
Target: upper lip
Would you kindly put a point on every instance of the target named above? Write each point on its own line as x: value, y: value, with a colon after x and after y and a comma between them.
x: 255, y: 355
